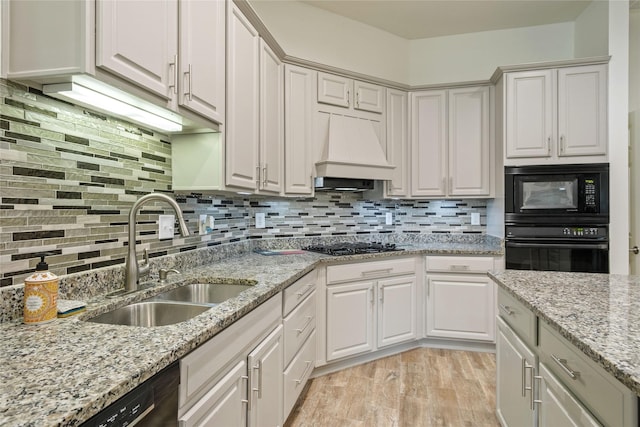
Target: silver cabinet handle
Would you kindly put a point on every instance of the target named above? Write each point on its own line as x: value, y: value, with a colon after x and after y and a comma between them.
x: 380, y: 271
x: 562, y: 144
x: 539, y: 379
x: 549, y: 145
x: 459, y: 268
x: 563, y: 364
x: 259, y: 389
x: 304, y: 374
x: 348, y: 98
x: 308, y: 322
x: 264, y: 176
x: 358, y: 99
x: 173, y: 70
x: 247, y: 401
x: 305, y: 290
x: 526, y: 367
x: 506, y: 309
x: 190, y: 75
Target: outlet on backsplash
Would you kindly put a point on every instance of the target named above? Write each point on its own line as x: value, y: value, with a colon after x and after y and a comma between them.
x: 260, y: 220
x: 206, y: 224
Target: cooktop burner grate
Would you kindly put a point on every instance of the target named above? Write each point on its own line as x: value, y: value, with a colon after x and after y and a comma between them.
x: 339, y: 249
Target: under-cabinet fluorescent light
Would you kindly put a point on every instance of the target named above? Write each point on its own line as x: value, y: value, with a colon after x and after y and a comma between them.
x: 90, y: 98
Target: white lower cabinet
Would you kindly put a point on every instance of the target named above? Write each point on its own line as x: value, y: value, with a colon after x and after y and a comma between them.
x: 460, y: 298
x: 235, y: 378
x: 544, y: 380
x: 377, y: 300
x: 515, y: 375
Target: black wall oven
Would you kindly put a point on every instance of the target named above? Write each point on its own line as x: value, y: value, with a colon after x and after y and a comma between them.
x: 557, y: 218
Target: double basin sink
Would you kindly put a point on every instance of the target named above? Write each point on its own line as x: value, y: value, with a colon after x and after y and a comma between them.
x: 173, y: 306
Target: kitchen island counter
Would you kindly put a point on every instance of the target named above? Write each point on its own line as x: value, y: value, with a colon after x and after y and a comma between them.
x: 598, y: 313
x: 64, y: 372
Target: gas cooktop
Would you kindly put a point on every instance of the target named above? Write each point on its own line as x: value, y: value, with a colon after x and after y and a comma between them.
x: 339, y: 249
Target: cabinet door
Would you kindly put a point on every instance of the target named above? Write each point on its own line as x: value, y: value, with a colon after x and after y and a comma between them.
x: 334, y: 90
x: 242, y: 123
x: 349, y: 319
x: 469, y: 143
x: 271, y: 120
x: 515, y: 364
x: 397, y: 142
x: 558, y: 407
x: 396, y: 310
x: 299, y: 92
x: 460, y: 306
x: 141, y: 56
x: 368, y: 97
x: 202, y: 58
x: 428, y: 143
x: 530, y: 112
x: 265, y: 381
x: 582, y: 110
x: 224, y: 404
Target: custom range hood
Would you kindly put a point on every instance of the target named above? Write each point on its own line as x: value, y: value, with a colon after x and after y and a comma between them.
x: 352, y: 150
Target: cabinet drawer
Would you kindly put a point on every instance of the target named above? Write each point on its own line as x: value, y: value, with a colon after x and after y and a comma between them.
x: 521, y: 319
x: 297, y: 374
x: 599, y: 391
x: 369, y: 270
x: 298, y: 326
x: 459, y: 264
x: 298, y: 291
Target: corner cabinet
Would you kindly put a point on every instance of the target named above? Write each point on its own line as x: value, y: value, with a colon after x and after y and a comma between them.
x: 255, y: 109
x: 460, y: 298
x: 376, y: 299
x: 556, y: 115
x: 451, y: 150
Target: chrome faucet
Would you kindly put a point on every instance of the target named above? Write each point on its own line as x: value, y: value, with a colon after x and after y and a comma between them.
x: 132, y: 269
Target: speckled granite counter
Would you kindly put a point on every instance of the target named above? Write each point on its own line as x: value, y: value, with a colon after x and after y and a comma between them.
x: 598, y: 313
x: 64, y: 372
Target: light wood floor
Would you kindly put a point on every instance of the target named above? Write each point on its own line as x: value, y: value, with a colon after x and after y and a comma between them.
x: 421, y: 387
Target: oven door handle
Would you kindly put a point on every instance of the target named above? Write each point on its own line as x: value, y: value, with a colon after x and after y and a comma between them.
x: 559, y: 245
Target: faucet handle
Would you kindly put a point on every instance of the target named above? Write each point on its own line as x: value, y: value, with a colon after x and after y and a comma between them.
x: 164, y: 273
x: 143, y: 268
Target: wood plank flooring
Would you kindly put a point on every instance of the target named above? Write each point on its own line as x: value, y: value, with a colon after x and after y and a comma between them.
x: 421, y: 387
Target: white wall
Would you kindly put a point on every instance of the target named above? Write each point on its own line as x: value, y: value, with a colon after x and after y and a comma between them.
x: 618, y: 42
x: 314, y: 34
x: 475, y: 56
x: 634, y: 59
x: 591, y: 30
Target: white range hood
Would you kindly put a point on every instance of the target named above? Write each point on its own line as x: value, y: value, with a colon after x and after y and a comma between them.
x: 352, y: 150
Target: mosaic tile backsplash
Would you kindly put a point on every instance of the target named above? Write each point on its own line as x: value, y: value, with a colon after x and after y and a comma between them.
x: 68, y: 178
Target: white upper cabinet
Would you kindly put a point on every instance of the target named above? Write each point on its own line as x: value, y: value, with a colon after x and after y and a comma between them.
x: 175, y: 60
x: 201, y: 80
x: 255, y: 109
x: 147, y: 58
x: 451, y: 150
x: 243, y: 106
x: 300, y: 100
x: 344, y: 92
x: 398, y: 142
x: 556, y: 115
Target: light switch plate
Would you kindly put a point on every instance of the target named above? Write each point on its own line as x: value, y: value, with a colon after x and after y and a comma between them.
x: 166, y: 226
x: 389, y: 218
x: 475, y: 218
x: 260, y: 221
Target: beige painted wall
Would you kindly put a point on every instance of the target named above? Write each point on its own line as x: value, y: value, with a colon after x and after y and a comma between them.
x: 591, y: 31
x: 475, y: 56
x: 313, y: 34
x: 317, y: 35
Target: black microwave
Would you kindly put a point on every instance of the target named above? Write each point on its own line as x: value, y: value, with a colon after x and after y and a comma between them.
x: 560, y: 194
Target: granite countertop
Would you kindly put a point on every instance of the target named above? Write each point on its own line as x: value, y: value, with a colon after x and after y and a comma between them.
x: 598, y: 313
x: 64, y: 372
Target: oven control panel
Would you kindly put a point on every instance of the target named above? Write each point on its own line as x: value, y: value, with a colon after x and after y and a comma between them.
x: 580, y: 231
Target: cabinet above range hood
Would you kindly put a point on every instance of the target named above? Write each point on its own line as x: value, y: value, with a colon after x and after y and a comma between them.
x: 353, y: 150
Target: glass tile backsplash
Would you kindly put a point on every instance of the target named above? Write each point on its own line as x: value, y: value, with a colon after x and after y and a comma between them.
x: 68, y: 177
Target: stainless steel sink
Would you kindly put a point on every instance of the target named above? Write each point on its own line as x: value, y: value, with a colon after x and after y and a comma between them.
x: 151, y: 313
x: 202, y: 293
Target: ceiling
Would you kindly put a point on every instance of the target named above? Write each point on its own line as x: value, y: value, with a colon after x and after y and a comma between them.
x: 417, y: 19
